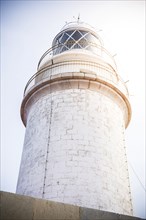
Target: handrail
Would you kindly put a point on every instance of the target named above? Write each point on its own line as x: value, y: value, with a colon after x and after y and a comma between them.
x: 34, y: 76
x: 45, y: 54
x: 103, y: 51
x: 92, y: 64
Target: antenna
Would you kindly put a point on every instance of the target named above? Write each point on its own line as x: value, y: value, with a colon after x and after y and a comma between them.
x: 78, y: 17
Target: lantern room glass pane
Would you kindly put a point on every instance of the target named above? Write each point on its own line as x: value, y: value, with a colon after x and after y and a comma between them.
x: 63, y: 38
x: 76, y: 36
x: 76, y: 39
x: 83, y: 42
x: 69, y: 33
x: 92, y: 39
x: 83, y: 32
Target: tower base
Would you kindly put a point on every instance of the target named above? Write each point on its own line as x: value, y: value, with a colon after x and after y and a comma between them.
x: 14, y: 206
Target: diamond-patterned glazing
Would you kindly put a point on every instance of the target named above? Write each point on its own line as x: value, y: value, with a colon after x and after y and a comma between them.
x: 76, y: 39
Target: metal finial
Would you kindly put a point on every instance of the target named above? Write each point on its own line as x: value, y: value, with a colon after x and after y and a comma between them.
x: 78, y: 17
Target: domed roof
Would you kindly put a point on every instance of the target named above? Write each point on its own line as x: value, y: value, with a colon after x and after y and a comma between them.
x: 78, y: 25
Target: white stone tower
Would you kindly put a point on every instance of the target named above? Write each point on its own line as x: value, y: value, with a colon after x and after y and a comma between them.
x: 75, y: 110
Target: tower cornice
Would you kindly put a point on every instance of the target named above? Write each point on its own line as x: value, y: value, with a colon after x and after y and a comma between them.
x: 76, y: 80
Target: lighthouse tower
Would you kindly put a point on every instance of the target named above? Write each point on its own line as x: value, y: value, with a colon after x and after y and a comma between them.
x: 75, y: 109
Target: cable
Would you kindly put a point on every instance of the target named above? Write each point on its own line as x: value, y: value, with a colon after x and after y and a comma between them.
x: 137, y: 177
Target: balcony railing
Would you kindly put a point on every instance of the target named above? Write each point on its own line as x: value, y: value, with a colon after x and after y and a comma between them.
x: 99, y: 71
x: 94, y: 49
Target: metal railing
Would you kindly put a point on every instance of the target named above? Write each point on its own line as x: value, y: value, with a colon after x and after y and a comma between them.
x: 75, y: 66
x: 96, y: 50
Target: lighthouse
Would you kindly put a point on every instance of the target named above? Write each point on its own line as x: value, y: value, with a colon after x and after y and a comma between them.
x: 76, y: 109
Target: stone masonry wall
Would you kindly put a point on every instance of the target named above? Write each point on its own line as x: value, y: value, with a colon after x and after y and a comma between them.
x: 74, y: 151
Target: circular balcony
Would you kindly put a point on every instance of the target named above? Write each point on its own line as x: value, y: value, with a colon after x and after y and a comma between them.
x: 91, y: 49
x: 66, y: 64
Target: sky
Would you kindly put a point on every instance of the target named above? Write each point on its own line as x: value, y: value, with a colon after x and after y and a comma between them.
x: 27, y: 31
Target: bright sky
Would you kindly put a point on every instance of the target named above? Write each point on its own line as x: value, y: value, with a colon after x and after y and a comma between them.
x: 27, y: 31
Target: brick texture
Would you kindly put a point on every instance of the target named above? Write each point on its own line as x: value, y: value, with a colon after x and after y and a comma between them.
x: 74, y: 151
